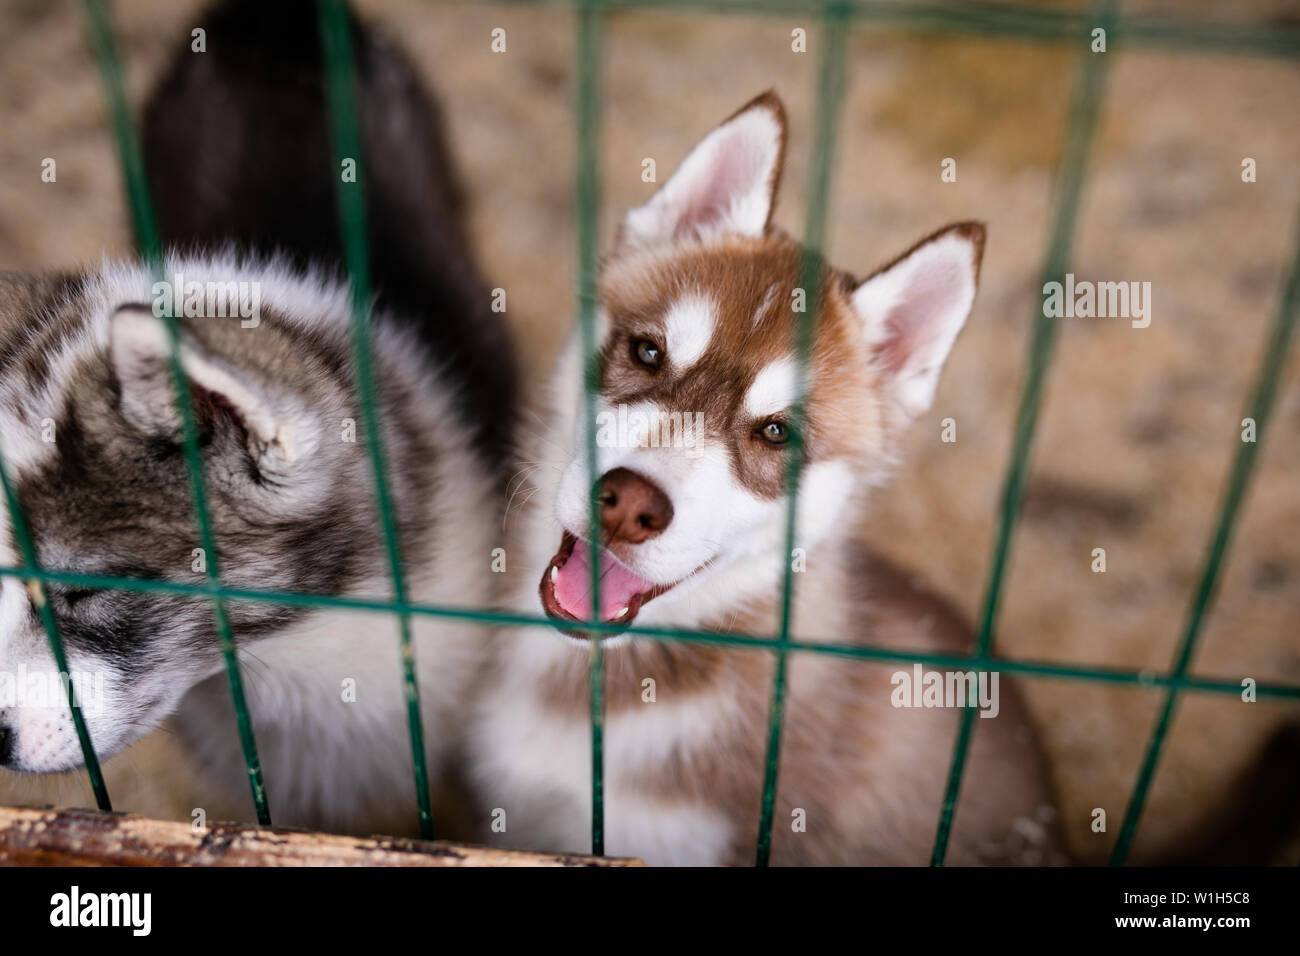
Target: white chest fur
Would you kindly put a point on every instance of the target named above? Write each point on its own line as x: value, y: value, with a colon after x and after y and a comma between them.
x: 533, y: 768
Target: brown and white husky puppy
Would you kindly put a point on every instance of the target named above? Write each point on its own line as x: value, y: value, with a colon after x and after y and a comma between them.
x: 697, y: 316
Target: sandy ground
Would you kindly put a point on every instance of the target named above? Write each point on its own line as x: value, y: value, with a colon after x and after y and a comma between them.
x: 1139, y: 427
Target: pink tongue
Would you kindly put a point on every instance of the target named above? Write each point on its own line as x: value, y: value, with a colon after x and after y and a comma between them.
x: 618, y: 585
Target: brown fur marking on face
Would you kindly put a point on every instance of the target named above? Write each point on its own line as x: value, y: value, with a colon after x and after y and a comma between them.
x: 747, y: 280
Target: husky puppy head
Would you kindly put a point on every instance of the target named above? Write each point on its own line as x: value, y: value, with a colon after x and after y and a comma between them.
x: 699, y: 305
x: 91, y: 437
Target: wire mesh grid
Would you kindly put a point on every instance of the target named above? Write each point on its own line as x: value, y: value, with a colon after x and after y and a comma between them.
x: 837, y: 18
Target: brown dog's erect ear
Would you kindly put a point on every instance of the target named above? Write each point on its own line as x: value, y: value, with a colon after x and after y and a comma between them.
x: 140, y: 352
x: 913, y: 309
x: 726, y: 184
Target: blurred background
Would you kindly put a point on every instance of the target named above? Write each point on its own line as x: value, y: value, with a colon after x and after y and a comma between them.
x: 1139, y: 426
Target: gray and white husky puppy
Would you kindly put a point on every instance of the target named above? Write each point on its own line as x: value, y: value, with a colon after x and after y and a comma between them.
x: 240, y: 161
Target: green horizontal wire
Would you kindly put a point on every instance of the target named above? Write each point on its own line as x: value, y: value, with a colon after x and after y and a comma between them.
x: 146, y: 235
x: 1261, y: 407
x: 40, y: 597
x: 587, y: 45
x: 830, y: 94
x: 756, y: 642
x: 1007, y: 20
x: 339, y: 62
x: 1084, y: 111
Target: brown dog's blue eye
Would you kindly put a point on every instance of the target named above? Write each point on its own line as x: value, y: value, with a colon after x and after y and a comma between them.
x: 647, y: 353
x: 775, y: 433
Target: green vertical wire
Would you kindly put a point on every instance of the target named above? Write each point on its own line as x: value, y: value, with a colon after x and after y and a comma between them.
x: 40, y: 596
x: 1261, y: 407
x: 587, y: 51
x: 1084, y: 110
x: 146, y: 235
x: 830, y: 94
x: 337, y: 39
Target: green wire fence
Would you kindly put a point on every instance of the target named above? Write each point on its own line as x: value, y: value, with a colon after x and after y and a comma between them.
x: 837, y: 17
x: 587, y: 185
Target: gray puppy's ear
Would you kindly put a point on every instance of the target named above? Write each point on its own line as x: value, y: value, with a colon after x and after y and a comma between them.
x: 140, y: 351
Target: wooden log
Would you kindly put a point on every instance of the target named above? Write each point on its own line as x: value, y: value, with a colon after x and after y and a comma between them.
x: 57, y: 837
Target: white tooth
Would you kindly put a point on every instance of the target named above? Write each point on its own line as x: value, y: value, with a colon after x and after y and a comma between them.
x: 621, y: 613
x: 555, y: 574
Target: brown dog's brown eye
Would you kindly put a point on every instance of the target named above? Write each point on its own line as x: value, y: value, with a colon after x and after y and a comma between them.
x: 646, y: 353
x: 775, y: 433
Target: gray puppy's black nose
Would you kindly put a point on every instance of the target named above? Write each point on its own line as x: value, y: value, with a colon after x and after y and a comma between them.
x: 6, y: 745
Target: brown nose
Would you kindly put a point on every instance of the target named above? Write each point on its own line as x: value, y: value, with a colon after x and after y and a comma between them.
x: 632, y: 508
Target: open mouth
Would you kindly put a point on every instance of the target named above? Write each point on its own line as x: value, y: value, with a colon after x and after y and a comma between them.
x: 566, y: 588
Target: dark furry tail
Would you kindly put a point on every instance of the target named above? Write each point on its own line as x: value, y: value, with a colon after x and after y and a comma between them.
x: 237, y: 144
x: 1258, y: 817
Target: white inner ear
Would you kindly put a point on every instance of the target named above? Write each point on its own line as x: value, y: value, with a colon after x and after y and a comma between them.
x: 724, y: 185
x: 140, y: 348
x: 914, y: 310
